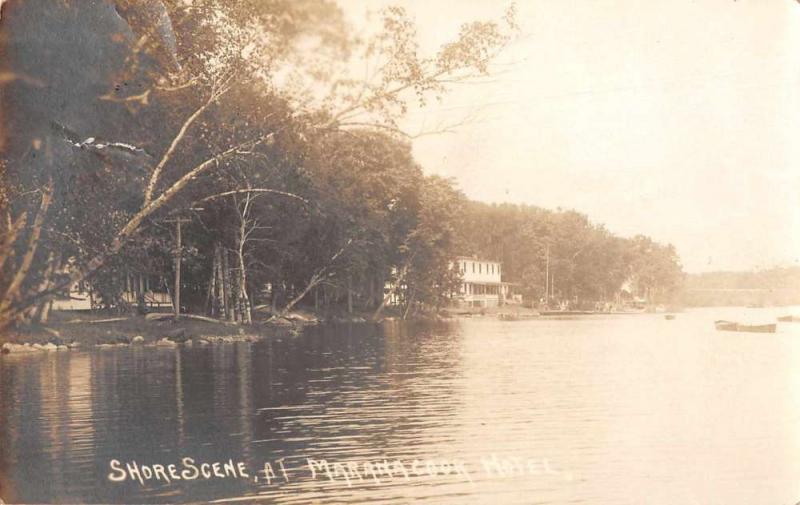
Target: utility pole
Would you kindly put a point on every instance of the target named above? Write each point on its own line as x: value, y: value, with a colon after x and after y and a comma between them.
x: 176, y: 295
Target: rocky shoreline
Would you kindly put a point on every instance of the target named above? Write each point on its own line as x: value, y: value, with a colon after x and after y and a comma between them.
x: 70, y: 333
x: 55, y: 345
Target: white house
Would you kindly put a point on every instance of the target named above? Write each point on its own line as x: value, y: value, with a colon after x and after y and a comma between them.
x: 80, y: 296
x: 482, y: 284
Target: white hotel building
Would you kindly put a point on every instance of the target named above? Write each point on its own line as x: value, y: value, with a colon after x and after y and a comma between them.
x: 481, y: 283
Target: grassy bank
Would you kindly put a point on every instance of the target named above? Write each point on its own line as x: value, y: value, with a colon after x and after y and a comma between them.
x: 91, y: 329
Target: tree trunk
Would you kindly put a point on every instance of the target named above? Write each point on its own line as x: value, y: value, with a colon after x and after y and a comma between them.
x: 237, y: 305
x: 315, y: 280
x: 213, y: 284
x: 371, y: 297
x: 226, y: 281
x: 8, y: 313
x: 209, y: 306
x: 7, y: 249
x: 349, y: 294
x: 44, y: 316
x: 273, y: 294
x: 409, y: 303
x: 42, y: 311
x: 178, y: 252
x: 247, y: 317
x: 220, y: 297
x: 386, y: 297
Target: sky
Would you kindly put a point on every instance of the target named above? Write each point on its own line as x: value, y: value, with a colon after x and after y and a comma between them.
x: 673, y: 119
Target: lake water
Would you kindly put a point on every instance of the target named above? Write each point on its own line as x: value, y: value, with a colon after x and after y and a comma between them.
x: 603, y: 409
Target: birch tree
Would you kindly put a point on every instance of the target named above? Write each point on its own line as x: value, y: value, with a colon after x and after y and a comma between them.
x: 185, y: 58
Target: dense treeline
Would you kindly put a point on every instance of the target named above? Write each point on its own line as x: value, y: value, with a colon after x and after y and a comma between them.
x: 569, y: 256
x: 240, y: 124
x: 230, y: 138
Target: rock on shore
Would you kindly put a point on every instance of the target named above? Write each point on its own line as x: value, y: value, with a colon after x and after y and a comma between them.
x: 11, y: 348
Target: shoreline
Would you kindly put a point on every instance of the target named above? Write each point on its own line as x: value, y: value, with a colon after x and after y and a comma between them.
x: 85, y: 331
x: 72, y: 331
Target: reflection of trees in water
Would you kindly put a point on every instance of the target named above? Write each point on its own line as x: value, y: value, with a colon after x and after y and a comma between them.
x: 423, y: 365
x: 214, y: 411
x: 160, y: 405
x: 345, y: 392
x: 46, y: 430
x: 19, y: 434
x: 348, y: 391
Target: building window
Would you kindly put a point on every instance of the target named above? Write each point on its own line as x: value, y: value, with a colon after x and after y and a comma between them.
x: 480, y: 268
x: 473, y: 267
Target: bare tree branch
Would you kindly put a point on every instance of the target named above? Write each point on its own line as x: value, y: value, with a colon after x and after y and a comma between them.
x: 135, y: 221
x: 151, y: 185
x: 318, y: 277
x: 253, y: 190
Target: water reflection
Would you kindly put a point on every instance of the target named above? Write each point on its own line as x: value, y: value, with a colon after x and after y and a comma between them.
x: 602, y: 410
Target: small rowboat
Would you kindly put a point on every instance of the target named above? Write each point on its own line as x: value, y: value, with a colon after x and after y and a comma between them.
x: 789, y: 319
x: 726, y: 325
x: 669, y: 317
x: 752, y: 328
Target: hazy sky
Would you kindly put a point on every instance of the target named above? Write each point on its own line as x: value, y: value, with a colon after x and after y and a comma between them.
x: 676, y: 119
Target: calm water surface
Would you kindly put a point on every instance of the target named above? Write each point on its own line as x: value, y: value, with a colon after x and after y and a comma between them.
x: 601, y: 410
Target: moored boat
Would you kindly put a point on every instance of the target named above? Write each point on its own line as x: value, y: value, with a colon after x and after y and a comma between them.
x: 758, y: 328
x: 752, y: 328
x: 789, y: 319
x: 669, y: 317
x: 726, y: 325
